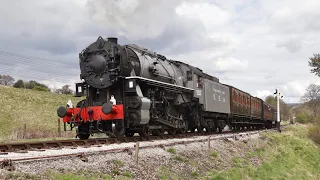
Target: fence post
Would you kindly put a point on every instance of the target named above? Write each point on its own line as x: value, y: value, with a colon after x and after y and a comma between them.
x: 136, y: 155
x: 59, y: 128
x: 24, y: 130
x: 209, y: 143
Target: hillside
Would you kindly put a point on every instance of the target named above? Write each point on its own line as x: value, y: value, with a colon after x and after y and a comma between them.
x: 36, y: 109
x: 294, y: 104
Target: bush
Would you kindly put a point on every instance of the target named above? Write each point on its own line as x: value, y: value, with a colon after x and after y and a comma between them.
x: 302, y: 118
x: 40, y: 88
x: 33, y: 85
x: 19, y: 84
x: 314, y: 132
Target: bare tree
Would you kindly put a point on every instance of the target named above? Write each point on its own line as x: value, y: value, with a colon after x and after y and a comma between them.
x: 6, y: 80
x: 312, y: 98
x: 314, y: 63
x: 64, y: 90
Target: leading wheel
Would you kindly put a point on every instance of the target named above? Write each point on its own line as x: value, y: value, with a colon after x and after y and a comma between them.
x: 83, y: 136
x: 129, y: 133
x: 117, y: 130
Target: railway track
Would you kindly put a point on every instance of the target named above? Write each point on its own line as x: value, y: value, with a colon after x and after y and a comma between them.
x: 23, y: 146
x: 57, y: 144
x: 6, y: 162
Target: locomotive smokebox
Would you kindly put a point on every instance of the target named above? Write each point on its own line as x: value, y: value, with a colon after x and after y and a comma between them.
x: 98, y: 64
x: 113, y: 40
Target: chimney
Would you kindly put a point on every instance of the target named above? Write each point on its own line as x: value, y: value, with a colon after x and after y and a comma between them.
x: 113, y: 40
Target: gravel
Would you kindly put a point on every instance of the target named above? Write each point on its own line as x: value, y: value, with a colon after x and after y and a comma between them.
x: 153, y: 162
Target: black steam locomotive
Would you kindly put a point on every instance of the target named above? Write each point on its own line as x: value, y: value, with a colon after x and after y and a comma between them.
x: 130, y: 89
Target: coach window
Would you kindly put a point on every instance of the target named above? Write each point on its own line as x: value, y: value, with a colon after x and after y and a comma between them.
x: 200, y: 81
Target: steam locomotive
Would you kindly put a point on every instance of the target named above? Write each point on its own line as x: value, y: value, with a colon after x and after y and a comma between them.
x: 129, y: 89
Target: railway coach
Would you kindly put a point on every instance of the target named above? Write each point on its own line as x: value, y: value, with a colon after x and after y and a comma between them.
x: 129, y: 89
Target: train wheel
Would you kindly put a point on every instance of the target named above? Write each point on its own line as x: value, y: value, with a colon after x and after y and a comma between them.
x: 182, y: 131
x: 185, y: 129
x: 118, y: 131
x: 172, y: 131
x: 129, y: 133
x: 144, y: 131
x: 158, y: 132
x: 199, y: 129
x: 83, y: 136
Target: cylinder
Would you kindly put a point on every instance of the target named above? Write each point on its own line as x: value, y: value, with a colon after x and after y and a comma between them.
x: 113, y: 40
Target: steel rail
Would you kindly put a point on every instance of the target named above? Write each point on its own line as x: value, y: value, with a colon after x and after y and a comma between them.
x: 42, y: 145
x: 124, y: 149
x: 8, y: 163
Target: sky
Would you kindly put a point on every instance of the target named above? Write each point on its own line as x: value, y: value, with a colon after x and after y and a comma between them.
x: 254, y: 45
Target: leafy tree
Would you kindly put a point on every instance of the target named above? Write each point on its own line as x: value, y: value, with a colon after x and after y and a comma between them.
x: 19, y: 84
x: 32, y: 84
x: 302, y: 118
x: 312, y: 98
x: 314, y: 63
x: 6, y: 80
x: 64, y: 90
x: 40, y: 88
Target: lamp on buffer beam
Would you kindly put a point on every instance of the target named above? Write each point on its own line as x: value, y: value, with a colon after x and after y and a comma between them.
x: 278, y: 96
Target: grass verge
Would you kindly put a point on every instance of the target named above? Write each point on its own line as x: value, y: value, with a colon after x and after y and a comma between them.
x: 36, y: 109
x: 289, y: 155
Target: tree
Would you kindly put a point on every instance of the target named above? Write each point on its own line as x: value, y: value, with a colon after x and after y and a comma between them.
x: 19, y: 84
x: 40, y: 88
x: 284, y: 108
x: 302, y: 118
x: 312, y: 98
x: 6, y: 80
x: 315, y: 64
x: 65, y: 90
x: 33, y: 85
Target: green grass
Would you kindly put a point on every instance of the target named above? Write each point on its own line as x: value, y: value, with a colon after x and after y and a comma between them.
x: 214, y: 154
x: 172, y: 150
x: 36, y: 109
x: 118, y: 162
x: 289, y: 155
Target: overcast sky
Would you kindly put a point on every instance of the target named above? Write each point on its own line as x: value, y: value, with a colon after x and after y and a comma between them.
x: 254, y: 45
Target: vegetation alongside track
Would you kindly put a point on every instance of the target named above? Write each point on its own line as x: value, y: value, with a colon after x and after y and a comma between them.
x: 289, y: 155
x: 36, y: 109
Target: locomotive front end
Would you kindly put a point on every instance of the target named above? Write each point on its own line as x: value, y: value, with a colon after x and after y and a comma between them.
x: 102, y: 108
x: 100, y: 63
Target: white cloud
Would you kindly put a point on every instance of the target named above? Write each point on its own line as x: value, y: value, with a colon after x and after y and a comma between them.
x: 262, y: 94
x: 211, y: 15
x: 231, y: 64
